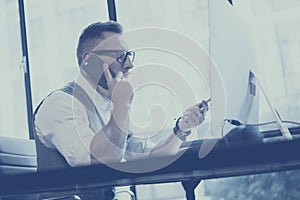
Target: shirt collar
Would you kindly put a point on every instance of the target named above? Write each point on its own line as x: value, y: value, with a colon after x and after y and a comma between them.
x: 93, y: 94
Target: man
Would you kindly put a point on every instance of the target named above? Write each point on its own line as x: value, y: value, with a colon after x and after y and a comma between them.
x: 87, y: 121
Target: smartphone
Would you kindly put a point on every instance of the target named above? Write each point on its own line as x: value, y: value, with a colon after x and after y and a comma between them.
x: 201, y: 105
x: 93, y: 66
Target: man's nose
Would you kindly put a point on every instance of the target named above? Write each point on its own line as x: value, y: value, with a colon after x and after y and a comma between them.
x: 128, y: 64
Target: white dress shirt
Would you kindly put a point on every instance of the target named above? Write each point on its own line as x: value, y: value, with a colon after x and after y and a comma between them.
x: 62, y: 123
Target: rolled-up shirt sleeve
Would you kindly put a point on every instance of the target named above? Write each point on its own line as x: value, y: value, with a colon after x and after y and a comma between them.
x: 62, y: 123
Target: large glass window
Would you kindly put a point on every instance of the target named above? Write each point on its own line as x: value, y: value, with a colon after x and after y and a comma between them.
x: 279, y: 47
x: 53, y: 29
x: 13, y: 117
x: 156, y: 106
x: 187, y: 17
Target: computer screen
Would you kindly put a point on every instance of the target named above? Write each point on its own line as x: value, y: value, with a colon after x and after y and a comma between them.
x: 232, y: 53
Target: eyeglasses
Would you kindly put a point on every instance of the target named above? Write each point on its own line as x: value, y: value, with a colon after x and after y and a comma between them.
x: 120, y: 55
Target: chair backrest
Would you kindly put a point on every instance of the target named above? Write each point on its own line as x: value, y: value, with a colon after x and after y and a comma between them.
x: 17, y: 156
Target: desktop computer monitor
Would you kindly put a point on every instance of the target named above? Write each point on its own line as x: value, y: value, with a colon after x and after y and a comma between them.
x: 232, y: 51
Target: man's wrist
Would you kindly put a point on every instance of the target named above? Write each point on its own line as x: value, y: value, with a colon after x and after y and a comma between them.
x: 182, y: 135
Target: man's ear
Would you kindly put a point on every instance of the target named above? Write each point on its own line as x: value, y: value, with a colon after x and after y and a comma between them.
x: 85, y: 55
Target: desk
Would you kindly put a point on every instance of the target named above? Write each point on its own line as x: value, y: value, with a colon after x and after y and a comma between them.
x: 224, y: 161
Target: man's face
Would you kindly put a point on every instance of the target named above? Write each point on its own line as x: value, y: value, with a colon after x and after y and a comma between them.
x: 114, y: 42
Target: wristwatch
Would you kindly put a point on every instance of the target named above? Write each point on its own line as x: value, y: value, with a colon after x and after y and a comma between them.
x: 179, y: 133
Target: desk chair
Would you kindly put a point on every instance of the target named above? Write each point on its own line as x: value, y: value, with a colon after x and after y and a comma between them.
x: 17, y: 156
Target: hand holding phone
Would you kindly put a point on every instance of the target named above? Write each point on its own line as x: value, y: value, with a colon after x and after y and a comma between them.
x: 203, y: 106
x: 193, y: 116
x: 113, y: 85
x: 93, y: 66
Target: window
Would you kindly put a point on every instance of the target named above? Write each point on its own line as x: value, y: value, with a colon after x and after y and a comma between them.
x: 13, y: 117
x: 53, y: 30
x: 282, y: 5
x: 155, y: 107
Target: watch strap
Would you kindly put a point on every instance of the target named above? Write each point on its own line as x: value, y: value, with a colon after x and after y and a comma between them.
x: 179, y: 133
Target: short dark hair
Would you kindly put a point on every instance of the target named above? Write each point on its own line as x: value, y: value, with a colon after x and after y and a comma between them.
x: 93, y: 34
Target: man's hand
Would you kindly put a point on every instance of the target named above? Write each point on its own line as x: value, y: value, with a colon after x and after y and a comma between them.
x: 119, y: 89
x: 193, y: 116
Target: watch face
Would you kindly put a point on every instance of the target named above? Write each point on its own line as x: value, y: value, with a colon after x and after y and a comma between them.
x: 181, y: 134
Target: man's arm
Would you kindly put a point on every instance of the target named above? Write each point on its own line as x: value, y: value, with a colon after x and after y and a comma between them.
x: 191, y: 118
x: 108, y: 145
x: 170, y: 145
